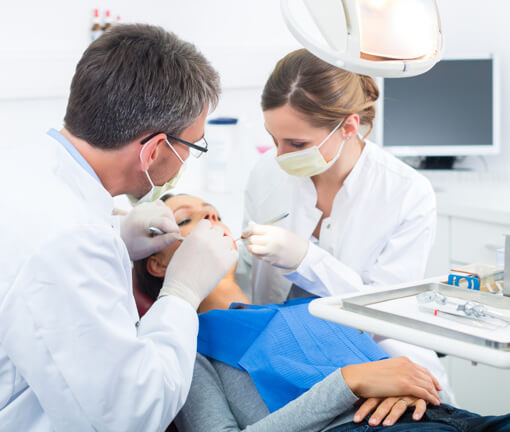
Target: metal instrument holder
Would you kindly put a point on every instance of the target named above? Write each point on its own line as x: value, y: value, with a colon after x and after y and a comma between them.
x: 357, y: 311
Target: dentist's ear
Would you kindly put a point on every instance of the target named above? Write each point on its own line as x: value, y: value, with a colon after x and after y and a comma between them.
x: 149, y: 151
x: 156, y: 266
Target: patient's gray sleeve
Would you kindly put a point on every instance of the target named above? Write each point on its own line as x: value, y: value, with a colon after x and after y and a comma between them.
x: 225, y: 399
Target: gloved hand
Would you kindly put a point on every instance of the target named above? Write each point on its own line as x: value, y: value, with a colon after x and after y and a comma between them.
x: 277, y: 246
x: 134, y: 229
x: 199, y: 264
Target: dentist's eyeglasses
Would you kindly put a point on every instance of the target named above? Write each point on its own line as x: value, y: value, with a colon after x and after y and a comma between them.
x: 196, y: 148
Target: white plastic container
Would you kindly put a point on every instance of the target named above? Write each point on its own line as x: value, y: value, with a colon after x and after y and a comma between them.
x: 222, y: 156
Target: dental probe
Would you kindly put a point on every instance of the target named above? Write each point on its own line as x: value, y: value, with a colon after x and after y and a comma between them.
x: 153, y: 231
x: 276, y: 219
x: 270, y: 222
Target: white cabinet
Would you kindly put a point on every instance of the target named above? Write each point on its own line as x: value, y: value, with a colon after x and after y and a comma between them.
x: 479, y: 388
x: 475, y: 241
x: 463, y: 240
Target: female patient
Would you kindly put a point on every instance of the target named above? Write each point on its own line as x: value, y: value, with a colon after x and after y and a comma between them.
x: 224, y: 398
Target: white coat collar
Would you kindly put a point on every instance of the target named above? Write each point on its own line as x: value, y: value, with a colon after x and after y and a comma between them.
x: 352, y: 179
x: 306, y: 214
x: 83, y: 184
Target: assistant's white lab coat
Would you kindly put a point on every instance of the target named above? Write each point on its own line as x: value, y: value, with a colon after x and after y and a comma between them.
x: 379, y: 233
x: 380, y: 230
x: 73, y: 356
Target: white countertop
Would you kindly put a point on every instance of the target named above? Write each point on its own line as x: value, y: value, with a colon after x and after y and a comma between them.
x: 472, y: 195
x: 488, y: 204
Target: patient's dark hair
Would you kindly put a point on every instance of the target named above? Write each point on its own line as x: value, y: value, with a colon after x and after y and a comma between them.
x: 150, y: 285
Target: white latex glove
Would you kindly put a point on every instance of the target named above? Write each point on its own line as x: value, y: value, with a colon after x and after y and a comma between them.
x: 134, y: 229
x: 196, y: 268
x: 277, y: 246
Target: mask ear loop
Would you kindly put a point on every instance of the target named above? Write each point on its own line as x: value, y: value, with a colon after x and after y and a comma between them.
x: 147, y: 170
x: 331, y: 133
x: 175, y: 151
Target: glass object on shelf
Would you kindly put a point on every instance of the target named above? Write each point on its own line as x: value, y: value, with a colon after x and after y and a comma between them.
x: 96, y: 29
x: 220, y: 160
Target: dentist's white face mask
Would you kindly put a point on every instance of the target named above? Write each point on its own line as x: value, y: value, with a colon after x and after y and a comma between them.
x: 157, y: 191
x: 308, y: 162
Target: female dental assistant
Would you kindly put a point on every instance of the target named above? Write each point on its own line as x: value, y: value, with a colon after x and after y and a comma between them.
x: 358, y: 216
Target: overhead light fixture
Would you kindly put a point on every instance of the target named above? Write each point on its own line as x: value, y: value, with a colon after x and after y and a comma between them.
x: 386, y: 38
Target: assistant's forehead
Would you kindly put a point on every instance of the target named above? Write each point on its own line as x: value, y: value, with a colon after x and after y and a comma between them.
x: 285, y: 121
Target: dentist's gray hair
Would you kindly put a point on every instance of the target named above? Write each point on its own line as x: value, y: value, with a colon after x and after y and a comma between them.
x: 135, y: 80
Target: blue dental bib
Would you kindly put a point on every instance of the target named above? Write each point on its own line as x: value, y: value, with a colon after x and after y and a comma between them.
x: 284, y: 349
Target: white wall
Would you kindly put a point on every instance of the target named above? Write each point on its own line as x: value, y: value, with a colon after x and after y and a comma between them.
x: 41, y: 41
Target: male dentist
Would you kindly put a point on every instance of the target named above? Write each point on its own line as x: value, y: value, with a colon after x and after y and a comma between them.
x: 74, y: 355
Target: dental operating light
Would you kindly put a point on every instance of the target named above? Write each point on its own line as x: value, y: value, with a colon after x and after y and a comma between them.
x: 385, y: 38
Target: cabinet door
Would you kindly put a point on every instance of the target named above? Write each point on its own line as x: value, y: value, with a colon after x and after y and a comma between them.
x: 481, y: 389
x: 439, y: 258
x: 474, y: 241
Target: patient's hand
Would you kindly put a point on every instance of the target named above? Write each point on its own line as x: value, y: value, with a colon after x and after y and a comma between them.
x: 389, y: 409
x: 393, y: 377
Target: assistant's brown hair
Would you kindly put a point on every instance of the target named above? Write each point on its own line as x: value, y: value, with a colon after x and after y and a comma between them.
x: 321, y: 91
x: 135, y: 80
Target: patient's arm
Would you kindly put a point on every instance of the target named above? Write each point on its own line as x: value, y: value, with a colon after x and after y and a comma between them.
x: 226, y: 293
x: 207, y: 407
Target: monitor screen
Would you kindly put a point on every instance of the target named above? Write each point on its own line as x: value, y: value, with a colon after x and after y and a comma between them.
x: 446, y: 111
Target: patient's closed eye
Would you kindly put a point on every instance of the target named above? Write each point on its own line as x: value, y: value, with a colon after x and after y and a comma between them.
x: 184, y: 222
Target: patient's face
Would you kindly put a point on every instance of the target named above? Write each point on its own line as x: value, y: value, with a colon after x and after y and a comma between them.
x: 188, y: 211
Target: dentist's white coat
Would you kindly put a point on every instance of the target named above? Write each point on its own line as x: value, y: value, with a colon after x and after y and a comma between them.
x: 73, y: 354
x: 379, y: 233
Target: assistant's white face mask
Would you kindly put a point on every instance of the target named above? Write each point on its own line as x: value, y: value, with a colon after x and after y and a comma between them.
x: 308, y: 162
x: 157, y: 191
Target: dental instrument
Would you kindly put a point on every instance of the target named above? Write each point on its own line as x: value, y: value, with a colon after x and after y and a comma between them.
x: 153, y: 231
x: 270, y: 222
x: 461, y: 319
x: 470, y: 309
x: 276, y: 219
x: 477, y: 310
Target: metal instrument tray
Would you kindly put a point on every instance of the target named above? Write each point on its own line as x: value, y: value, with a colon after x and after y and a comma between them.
x: 363, y: 311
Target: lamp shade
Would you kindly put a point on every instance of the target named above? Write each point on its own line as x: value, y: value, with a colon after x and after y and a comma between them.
x: 386, y: 38
x: 399, y: 29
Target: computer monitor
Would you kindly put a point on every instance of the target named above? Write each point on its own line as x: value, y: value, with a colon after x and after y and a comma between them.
x: 452, y: 110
